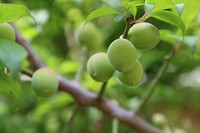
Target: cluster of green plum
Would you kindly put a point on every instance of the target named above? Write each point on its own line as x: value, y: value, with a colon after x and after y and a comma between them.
x: 44, y: 81
x: 121, y: 56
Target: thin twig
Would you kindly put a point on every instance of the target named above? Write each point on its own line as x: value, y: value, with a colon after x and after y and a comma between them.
x: 152, y: 86
x: 26, y: 72
x: 128, y: 26
x: 130, y: 23
x: 141, y: 19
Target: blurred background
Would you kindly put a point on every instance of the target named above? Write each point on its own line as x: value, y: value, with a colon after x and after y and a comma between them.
x: 175, y: 104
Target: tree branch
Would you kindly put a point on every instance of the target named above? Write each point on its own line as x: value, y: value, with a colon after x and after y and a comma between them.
x: 86, y: 98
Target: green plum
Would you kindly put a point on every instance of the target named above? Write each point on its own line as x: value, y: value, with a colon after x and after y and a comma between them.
x: 7, y: 32
x: 99, y: 67
x: 44, y: 82
x: 144, y: 36
x: 132, y: 77
x: 122, y: 54
x: 89, y: 35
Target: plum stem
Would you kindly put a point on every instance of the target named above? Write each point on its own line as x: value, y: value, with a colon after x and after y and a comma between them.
x: 127, y: 27
x: 130, y: 23
x: 102, y: 90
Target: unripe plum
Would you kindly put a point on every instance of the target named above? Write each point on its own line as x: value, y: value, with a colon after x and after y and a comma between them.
x: 122, y: 55
x: 144, y: 36
x: 88, y: 35
x: 99, y: 67
x: 44, y: 82
x: 7, y: 32
x: 132, y: 77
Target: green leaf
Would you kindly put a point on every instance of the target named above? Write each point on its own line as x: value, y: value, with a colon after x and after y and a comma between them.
x: 119, y: 18
x: 1, y: 66
x: 164, y: 36
x: 179, y: 8
x: 161, y: 4
x: 191, y: 9
x: 115, y: 4
x: 11, y: 55
x: 193, y: 25
x: 9, y: 87
x: 170, y: 18
x: 149, y: 8
x: 133, y: 10
x: 132, y: 6
x: 12, y: 12
x: 100, y: 12
x: 191, y: 41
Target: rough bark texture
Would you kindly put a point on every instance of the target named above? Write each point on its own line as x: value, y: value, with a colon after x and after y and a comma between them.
x: 86, y: 98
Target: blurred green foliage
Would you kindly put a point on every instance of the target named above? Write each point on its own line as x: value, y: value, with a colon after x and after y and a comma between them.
x: 53, y: 39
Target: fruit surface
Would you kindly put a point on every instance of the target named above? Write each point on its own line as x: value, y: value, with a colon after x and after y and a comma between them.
x: 144, y: 36
x: 88, y: 35
x: 99, y: 67
x: 122, y: 55
x: 7, y: 32
x: 132, y: 77
x: 44, y: 82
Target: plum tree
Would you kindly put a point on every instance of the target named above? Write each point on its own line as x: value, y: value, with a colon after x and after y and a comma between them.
x: 132, y: 77
x: 7, y: 32
x: 122, y: 55
x: 99, y: 67
x: 88, y: 35
x: 44, y: 82
x: 144, y: 36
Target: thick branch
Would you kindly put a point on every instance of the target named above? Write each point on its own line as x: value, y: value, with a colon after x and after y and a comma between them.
x: 86, y: 98
x: 35, y: 62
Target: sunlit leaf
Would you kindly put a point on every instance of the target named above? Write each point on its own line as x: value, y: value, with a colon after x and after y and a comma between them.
x: 119, y: 18
x: 12, y: 12
x: 191, y: 9
x: 132, y: 6
x: 115, y: 4
x: 149, y: 8
x: 161, y: 4
x: 192, y: 26
x: 180, y: 8
x: 100, y: 12
x: 191, y: 41
x: 164, y: 36
x: 169, y: 17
